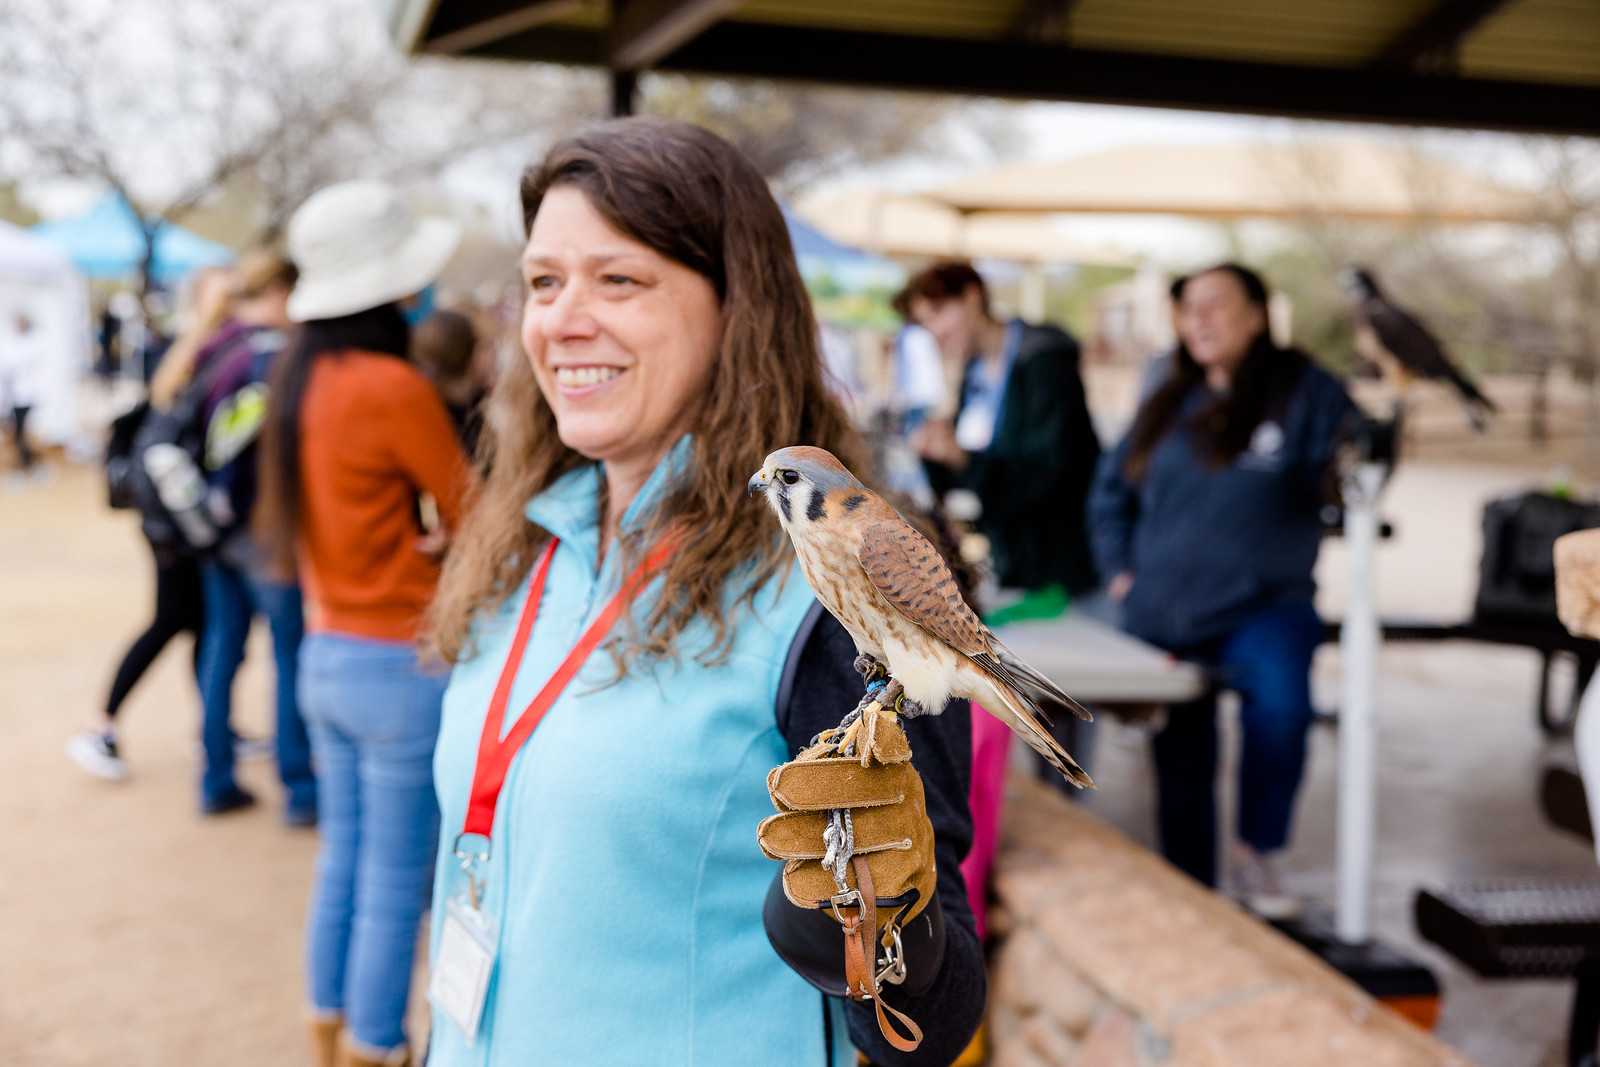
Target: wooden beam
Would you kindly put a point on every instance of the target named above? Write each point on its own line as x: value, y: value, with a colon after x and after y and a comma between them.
x: 1021, y: 71
x: 642, y: 31
x: 1431, y: 44
x: 624, y: 90
x: 1018, y: 70
x: 550, y: 44
x: 516, y: 18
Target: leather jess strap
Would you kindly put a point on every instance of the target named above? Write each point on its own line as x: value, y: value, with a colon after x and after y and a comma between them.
x: 861, y: 961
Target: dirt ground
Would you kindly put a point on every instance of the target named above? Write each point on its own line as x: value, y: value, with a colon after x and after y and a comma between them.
x: 139, y: 933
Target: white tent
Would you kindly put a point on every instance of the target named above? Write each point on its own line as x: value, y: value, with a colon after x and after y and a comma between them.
x: 894, y: 225
x: 1351, y: 179
x: 40, y: 282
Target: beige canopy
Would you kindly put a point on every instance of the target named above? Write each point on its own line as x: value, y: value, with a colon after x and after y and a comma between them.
x: 1344, y: 179
x: 918, y: 226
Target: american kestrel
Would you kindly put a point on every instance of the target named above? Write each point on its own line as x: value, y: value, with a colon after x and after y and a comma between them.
x: 895, y: 596
x: 1402, y: 348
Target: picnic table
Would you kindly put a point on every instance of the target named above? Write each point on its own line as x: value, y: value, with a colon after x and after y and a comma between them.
x: 1100, y: 665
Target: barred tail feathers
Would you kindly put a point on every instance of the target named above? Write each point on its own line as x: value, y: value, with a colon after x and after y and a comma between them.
x: 1008, y: 666
x: 1018, y: 712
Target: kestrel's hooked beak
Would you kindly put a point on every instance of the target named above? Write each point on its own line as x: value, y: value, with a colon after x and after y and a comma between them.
x: 758, y: 482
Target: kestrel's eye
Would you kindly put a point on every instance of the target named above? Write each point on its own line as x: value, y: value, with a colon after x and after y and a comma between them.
x: 789, y: 477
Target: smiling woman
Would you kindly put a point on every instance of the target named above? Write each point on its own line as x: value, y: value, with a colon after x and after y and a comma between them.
x: 688, y: 293
x: 670, y: 345
x: 621, y: 338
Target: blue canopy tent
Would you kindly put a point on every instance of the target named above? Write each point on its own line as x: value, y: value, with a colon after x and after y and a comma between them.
x: 107, y: 242
x: 822, y: 256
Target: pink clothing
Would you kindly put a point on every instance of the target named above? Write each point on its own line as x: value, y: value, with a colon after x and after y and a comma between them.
x: 991, y: 750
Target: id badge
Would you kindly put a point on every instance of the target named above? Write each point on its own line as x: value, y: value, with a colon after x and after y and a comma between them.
x: 463, y: 964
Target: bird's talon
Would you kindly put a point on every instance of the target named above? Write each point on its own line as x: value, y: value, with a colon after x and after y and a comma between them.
x: 908, y: 709
x: 869, y: 669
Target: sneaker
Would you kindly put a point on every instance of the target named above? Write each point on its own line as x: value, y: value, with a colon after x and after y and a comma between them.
x: 1256, y: 886
x: 97, y: 754
x: 234, y: 799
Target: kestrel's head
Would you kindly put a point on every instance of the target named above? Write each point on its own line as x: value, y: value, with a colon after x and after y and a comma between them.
x: 798, y: 481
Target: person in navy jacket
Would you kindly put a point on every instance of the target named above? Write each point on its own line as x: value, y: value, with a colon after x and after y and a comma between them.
x: 1206, y: 519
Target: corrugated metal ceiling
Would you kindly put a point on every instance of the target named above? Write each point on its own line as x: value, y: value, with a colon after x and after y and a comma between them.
x: 1536, y: 40
x: 1545, y: 40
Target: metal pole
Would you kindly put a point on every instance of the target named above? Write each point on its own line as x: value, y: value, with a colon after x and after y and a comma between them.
x: 1358, y: 706
x: 624, y: 85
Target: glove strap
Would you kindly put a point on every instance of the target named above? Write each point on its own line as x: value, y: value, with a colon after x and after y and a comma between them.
x: 861, y: 962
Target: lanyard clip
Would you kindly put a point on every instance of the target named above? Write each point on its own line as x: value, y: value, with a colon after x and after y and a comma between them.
x: 469, y: 861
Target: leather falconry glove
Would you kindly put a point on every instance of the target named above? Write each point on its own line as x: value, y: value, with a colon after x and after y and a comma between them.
x: 853, y: 832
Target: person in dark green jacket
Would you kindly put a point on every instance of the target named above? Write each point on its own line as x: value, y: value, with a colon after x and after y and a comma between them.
x: 1021, y: 438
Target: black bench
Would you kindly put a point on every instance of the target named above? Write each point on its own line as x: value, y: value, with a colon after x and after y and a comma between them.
x: 1531, y: 927
x: 1526, y: 928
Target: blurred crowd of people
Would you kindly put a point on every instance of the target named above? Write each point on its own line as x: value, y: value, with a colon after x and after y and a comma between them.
x: 1197, y: 531
x: 318, y: 434
x: 300, y: 459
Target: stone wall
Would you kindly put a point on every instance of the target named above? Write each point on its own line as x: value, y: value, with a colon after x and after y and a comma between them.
x: 1108, y: 957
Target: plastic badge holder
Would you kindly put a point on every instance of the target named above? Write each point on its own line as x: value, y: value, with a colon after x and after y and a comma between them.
x: 463, y: 964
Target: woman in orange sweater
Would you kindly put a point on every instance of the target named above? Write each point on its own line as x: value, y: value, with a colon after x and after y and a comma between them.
x: 355, y: 436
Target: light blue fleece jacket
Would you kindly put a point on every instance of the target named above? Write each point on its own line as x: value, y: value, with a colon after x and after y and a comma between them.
x: 625, y: 873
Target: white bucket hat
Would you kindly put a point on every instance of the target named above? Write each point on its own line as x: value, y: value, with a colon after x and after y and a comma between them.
x: 357, y: 246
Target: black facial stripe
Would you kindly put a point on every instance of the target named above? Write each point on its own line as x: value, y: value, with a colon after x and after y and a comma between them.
x: 816, y: 507
x: 783, y: 501
x: 853, y: 501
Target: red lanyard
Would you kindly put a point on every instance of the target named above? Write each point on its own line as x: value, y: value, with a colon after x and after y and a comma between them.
x: 495, y: 754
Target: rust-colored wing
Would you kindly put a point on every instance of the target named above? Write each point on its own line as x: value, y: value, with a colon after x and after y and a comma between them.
x: 912, y: 576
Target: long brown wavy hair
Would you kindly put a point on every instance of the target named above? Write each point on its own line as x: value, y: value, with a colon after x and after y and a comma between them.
x: 693, y: 198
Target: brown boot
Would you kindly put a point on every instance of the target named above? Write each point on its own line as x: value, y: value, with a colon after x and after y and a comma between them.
x: 364, y: 1056
x: 324, y: 1028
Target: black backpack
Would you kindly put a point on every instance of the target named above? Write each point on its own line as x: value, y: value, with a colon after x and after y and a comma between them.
x: 1517, y: 579
x: 119, y: 455
x: 129, y: 483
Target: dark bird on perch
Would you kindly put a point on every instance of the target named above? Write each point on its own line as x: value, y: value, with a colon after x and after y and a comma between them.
x: 1403, y: 349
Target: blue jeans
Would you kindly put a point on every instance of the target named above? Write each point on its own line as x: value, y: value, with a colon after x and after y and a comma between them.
x: 1267, y: 661
x: 374, y: 718
x: 232, y: 599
